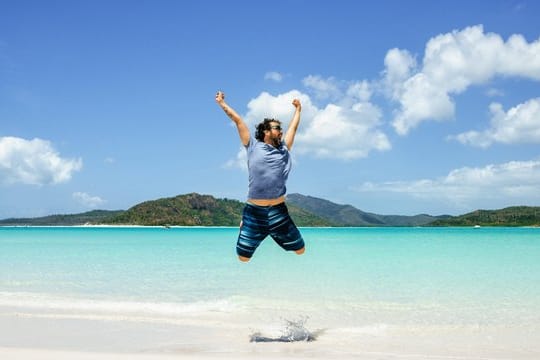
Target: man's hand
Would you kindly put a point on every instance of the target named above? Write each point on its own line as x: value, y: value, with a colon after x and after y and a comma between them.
x: 220, y: 96
x: 297, y: 104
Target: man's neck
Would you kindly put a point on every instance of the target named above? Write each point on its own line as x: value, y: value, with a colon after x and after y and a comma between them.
x: 271, y: 143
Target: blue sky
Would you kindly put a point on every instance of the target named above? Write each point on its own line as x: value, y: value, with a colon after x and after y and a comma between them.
x: 408, y: 106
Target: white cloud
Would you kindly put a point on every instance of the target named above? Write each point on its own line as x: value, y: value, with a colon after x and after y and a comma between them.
x: 399, y: 65
x: 33, y: 162
x: 340, y: 121
x: 273, y: 76
x: 345, y: 130
x: 323, y: 88
x: 452, y: 62
x: 360, y: 91
x: 421, y: 100
x: 492, y: 92
x: 520, y: 124
x: 339, y: 91
x: 515, y: 182
x: 277, y: 107
x: 88, y: 200
x: 239, y: 162
x: 343, y: 133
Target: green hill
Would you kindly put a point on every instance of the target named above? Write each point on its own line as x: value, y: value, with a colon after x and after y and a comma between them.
x: 510, y: 216
x: 198, y: 210
x: 186, y: 210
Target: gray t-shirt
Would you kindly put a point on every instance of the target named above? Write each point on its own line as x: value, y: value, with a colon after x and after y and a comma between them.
x: 268, y: 168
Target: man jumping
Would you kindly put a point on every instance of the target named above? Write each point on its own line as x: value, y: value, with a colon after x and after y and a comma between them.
x: 269, y: 164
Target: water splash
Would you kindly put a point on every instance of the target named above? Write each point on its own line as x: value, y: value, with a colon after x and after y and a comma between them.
x: 294, y: 331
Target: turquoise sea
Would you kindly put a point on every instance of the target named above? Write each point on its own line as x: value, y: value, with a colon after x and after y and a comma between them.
x: 349, y: 278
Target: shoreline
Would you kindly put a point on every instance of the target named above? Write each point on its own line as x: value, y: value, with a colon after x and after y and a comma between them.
x: 105, y: 226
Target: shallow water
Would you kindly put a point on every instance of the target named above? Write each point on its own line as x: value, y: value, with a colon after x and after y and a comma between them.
x: 349, y: 278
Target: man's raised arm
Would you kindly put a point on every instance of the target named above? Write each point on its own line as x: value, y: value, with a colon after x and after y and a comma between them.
x: 243, y: 130
x: 293, y: 126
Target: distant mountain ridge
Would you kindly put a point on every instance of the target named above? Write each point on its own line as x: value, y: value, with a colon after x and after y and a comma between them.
x: 348, y: 215
x: 182, y: 210
x: 89, y: 217
x: 205, y: 210
x: 510, y: 216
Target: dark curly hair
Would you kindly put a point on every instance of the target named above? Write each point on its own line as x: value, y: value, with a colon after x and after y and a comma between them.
x: 263, y: 126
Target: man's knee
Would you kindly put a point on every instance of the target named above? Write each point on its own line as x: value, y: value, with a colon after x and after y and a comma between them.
x: 300, y: 251
x: 243, y: 258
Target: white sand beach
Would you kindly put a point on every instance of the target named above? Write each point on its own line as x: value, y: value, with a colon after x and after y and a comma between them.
x: 27, y: 335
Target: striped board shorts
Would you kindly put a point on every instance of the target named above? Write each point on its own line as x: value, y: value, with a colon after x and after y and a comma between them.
x: 260, y: 221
